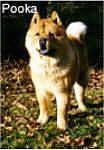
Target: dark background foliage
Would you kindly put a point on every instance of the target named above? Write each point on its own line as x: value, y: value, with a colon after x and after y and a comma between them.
x: 14, y: 26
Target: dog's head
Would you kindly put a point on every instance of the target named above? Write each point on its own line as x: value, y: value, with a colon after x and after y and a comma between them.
x: 46, y: 34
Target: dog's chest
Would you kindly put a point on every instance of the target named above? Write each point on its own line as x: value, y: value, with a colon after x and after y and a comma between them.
x: 50, y: 76
x: 50, y: 69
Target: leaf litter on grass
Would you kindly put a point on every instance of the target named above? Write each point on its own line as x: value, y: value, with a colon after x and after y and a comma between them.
x: 19, y: 111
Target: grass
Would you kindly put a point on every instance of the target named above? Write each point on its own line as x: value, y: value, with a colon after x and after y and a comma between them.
x: 19, y: 111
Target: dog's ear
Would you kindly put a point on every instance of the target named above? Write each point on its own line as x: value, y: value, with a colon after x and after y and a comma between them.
x: 35, y: 18
x: 55, y: 18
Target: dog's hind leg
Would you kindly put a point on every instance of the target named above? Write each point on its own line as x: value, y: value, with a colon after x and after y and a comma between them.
x: 79, y: 91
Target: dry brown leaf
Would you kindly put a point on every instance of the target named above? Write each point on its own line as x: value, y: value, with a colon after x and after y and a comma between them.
x: 9, y: 128
x: 19, y: 105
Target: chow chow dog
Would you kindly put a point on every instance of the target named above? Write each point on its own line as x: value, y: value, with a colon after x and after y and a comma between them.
x: 58, y: 62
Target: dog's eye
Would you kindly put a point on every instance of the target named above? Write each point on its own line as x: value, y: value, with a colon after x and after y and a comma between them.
x: 37, y: 34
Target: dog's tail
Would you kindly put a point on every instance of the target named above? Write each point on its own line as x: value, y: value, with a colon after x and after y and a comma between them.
x: 76, y: 31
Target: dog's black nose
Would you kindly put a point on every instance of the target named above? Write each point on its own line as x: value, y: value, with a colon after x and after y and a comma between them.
x: 42, y: 43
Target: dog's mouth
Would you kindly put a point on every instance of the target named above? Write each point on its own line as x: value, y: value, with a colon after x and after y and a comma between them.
x: 48, y: 52
x: 44, y: 51
x: 43, y: 46
x: 46, y: 48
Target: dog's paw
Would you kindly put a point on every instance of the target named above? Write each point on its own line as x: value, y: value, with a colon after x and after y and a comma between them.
x: 62, y: 125
x: 42, y: 119
x: 82, y: 108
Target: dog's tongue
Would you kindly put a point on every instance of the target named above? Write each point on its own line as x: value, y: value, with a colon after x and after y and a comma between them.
x: 44, y: 51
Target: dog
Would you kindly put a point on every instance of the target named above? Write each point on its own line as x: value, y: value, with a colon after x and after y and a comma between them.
x: 58, y: 62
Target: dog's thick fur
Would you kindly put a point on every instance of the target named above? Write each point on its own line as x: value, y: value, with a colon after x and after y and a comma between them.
x: 58, y: 61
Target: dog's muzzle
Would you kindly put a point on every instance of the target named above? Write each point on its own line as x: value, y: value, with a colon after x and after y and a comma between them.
x: 43, y: 46
x: 45, y: 49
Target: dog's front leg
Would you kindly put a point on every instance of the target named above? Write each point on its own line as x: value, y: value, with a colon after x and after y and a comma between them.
x: 62, y: 100
x: 42, y: 100
x: 43, y: 105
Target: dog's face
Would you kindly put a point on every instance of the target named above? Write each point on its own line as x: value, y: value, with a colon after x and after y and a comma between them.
x: 46, y: 33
